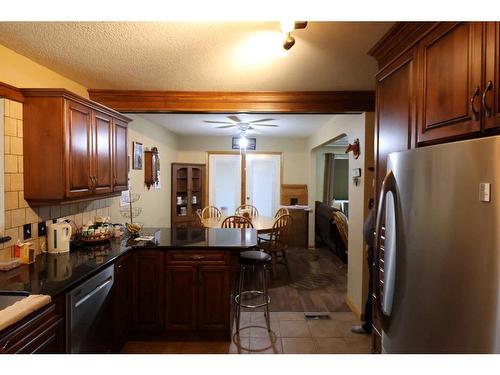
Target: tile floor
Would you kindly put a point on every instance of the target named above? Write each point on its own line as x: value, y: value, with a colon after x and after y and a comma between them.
x: 290, y: 333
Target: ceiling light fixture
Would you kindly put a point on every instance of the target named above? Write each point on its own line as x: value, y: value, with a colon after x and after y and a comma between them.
x: 243, y: 141
x: 287, y: 27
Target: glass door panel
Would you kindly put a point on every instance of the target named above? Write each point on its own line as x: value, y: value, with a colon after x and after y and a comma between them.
x: 225, y: 181
x: 263, y: 182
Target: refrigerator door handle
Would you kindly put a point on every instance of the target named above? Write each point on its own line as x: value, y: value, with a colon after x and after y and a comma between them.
x: 385, y: 303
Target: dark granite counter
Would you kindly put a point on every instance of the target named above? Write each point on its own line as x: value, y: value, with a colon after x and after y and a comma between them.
x: 54, y: 274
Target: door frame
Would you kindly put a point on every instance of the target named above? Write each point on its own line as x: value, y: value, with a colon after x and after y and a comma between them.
x: 242, y: 169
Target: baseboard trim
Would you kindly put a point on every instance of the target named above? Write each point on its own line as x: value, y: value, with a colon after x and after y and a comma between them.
x: 354, y: 309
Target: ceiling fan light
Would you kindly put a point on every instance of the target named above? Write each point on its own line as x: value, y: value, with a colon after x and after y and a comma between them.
x: 243, y: 142
x: 289, y: 42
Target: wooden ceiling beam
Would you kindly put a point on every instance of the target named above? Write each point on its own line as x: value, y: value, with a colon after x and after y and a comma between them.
x: 138, y: 101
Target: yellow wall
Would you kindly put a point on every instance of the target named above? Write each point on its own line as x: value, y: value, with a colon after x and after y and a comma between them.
x: 19, y: 71
x: 155, y: 203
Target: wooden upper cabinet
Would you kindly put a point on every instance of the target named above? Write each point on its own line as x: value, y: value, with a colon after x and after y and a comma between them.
x: 120, y: 156
x: 395, y: 111
x: 102, y: 173
x: 74, y: 149
x: 450, y: 67
x: 78, y: 132
x: 491, y: 91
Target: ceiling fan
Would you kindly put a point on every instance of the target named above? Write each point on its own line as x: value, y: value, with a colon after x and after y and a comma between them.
x: 242, y: 126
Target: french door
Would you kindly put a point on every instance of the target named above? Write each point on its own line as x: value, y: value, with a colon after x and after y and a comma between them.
x: 251, y: 178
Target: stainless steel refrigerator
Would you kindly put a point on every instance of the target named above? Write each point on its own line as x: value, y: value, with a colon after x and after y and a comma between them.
x: 441, y: 291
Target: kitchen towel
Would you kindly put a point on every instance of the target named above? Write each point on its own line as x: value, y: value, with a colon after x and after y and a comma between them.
x: 22, y: 308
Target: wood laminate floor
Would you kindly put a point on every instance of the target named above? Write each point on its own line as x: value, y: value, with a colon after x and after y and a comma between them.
x: 315, y: 280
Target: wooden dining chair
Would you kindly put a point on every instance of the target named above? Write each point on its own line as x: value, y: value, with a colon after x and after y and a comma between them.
x: 278, y: 241
x: 211, y: 212
x: 236, y: 222
x: 281, y: 211
x: 253, y: 210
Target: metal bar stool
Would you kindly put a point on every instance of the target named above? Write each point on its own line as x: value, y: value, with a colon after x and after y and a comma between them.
x: 253, y: 259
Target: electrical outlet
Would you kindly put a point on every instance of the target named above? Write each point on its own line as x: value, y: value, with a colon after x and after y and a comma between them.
x: 42, y: 229
x: 26, y: 231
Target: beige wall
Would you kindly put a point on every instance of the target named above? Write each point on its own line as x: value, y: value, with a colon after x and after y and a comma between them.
x: 19, y: 71
x: 155, y: 203
x: 354, y: 126
x: 193, y: 149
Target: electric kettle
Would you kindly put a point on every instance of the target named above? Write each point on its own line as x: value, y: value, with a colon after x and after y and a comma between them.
x: 58, y: 237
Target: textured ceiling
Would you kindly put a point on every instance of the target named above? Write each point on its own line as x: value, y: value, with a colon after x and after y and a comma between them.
x: 192, y: 124
x: 220, y: 56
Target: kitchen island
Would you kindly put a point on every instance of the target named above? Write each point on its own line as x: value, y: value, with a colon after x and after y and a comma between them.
x: 177, y: 286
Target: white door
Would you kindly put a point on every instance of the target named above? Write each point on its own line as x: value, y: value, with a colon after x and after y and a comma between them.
x: 224, y: 185
x: 263, y: 182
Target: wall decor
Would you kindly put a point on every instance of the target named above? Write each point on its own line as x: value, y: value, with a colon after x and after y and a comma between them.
x: 138, y: 155
x: 152, y: 168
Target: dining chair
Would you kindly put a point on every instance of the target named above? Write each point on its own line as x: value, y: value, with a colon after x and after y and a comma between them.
x: 281, y: 211
x: 253, y: 210
x: 211, y: 212
x: 278, y: 241
x: 236, y: 222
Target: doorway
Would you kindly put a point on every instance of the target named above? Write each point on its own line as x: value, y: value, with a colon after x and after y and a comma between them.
x: 237, y: 178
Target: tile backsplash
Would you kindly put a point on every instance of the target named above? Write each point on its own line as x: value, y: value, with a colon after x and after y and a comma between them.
x: 17, y: 210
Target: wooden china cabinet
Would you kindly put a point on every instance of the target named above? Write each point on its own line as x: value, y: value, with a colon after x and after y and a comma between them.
x: 188, y: 193
x: 438, y: 82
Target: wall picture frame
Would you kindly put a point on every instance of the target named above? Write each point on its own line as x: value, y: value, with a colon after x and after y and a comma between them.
x: 138, y: 155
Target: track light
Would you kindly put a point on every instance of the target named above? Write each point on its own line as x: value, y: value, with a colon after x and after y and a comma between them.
x: 289, y: 42
x: 287, y: 27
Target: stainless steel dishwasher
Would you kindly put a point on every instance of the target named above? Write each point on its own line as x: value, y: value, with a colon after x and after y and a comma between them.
x: 90, y: 328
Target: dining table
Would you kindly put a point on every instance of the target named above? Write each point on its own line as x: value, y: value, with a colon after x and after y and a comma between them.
x: 263, y: 224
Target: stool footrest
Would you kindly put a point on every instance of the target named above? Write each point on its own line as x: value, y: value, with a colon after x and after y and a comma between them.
x: 257, y: 292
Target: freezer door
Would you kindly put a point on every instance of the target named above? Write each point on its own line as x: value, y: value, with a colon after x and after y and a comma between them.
x: 445, y: 250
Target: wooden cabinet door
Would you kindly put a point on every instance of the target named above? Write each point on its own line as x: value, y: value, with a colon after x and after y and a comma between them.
x: 78, y: 152
x: 102, y: 166
x: 120, y: 156
x: 213, y: 297
x: 491, y: 90
x: 181, y: 290
x: 147, y: 292
x: 450, y: 66
x: 395, y: 112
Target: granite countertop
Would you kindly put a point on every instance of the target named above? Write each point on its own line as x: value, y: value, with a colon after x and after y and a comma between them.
x: 53, y: 274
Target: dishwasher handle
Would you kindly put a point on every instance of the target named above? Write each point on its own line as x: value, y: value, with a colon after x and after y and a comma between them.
x: 96, y: 290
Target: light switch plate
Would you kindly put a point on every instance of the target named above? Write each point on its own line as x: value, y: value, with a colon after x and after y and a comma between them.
x: 484, y: 192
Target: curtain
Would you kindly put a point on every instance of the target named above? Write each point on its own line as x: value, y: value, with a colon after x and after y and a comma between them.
x: 328, y: 179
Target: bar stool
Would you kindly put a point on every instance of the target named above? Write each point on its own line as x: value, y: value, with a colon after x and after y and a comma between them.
x: 254, y: 259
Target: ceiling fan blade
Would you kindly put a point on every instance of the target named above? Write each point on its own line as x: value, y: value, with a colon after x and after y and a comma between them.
x: 268, y: 125
x: 234, y: 118
x: 261, y: 120
x: 217, y: 122
x: 225, y: 126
